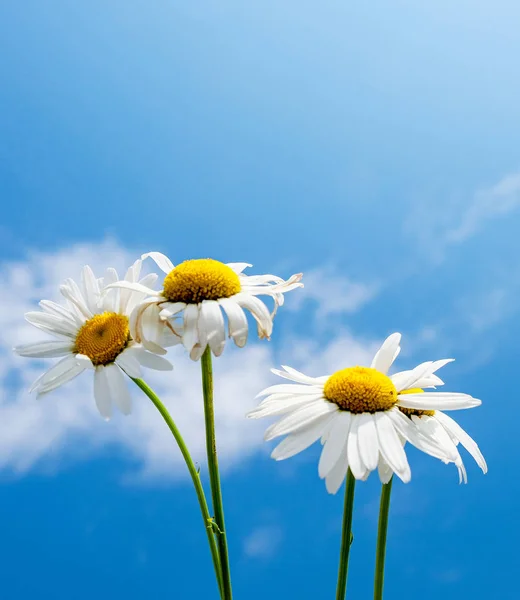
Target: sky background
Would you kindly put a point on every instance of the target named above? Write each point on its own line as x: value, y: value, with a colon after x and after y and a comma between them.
x: 373, y: 146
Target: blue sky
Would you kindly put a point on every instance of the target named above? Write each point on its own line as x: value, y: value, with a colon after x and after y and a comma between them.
x: 374, y: 147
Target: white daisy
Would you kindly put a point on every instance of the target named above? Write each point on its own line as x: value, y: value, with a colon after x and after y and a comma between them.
x: 199, y: 292
x: 92, y: 331
x: 356, y: 413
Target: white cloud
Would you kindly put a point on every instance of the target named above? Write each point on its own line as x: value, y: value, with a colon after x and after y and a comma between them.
x: 499, y: 200
x: 65, y: 426
x: 335, y: 294
x: 439, y: 225
x: 263, y: 542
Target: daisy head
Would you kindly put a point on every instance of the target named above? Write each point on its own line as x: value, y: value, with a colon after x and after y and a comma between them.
x: 91, y: 331
x: 363, y: 417
x: 195, y: 296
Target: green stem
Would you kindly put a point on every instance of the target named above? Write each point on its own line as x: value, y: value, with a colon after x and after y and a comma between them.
x: 346, y: 536
x: 214, y: 477
x: 381, y: 540
x: 206, y: 517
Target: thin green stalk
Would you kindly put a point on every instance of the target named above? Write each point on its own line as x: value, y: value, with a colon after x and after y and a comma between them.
x: 214, y: 477
x: 346, y: 536
x: 206, y: 517
x: 384, y: 507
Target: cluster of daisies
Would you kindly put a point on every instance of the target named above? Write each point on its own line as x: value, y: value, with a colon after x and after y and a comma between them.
x: 114, y: 326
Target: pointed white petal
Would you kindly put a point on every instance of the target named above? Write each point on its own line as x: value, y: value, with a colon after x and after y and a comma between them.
x: 388, y: 352
x: 191, y: 324
x: 297, y: 442
x: 118, y: 389
x: 45, y: 349
x: 367, y: 441
x: 391, y: 447
x: 336, y: 440
x: 238, y: 267
x: 259, y: 311
x: 469, y: 443
x: 237, y: 321
x: 214, y: 326
x: 51, y: 324
x: 102, y: 393
x: 354, y: 456
x: 282, y: 407
x: 162, y: 261
x: 130, y: 364
x: 299, y: 418
x: 437, y: 401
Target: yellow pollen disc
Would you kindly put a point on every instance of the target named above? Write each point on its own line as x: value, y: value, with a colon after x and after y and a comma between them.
x: 412, y: 411
x: 360, y: 389
x: 201, y: 279
x: 103, y: 337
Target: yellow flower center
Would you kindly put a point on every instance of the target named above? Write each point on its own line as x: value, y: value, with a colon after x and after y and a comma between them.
x: 360, y: 389
x: 103, y: 337
x: 201, y: 279
x: 412, y: 411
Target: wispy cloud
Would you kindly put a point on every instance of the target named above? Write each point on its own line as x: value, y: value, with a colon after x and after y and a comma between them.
x: 438, y: 226
x: 497, y: 201
x: 263, y: 542
x: 333, y: 292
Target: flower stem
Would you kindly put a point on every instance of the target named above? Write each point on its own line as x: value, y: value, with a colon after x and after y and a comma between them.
x: 214, y: 477
x: 346, y: 536
x: 208, y: 522
x: 384, y: 507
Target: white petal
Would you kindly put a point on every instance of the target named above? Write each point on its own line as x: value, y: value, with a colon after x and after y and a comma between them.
x: 162, y: 261
x: 391, y: 447
x: 282, y: 407
x: 136, y: 287
x: 437, y: 400
x: 70, y: 290
x: 408, y: 429
x: 388, y: 352
x: 118, y: 389
x: 354, y: 456
x: 214, y: 326
x: 62, y: 372
x: 237, y: 321
x: 336, y: 440
x: 299, y: 418
x: 469, y: 443
x: 367, y: 441
x: 385, y: 471
x: 412, y: 377
x: 151, y: 361
x: 60, y: 311
x: 90, y: 289
x: 57, y: 370
x: 238, y: 267
x: 130, y: 364
x: 297, y: 442
x: 51, y: 324
x: 45, y: 349
x: 338, y: 473
x: 191, y: 322
x: 84, y: 361
x: 102, y: 393
x: 290, y: 388
x: 259, y: 311
x: 294, y: 375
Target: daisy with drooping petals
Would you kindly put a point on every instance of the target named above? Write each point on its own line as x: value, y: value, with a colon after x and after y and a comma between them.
x: 92, y: 331
x: 199, y: 292
x: 357, y: 414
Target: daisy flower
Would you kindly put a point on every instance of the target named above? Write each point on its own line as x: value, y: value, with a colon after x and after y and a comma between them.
x: 198, y: 293
x: 92, y: 332
x: 358, y: 414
